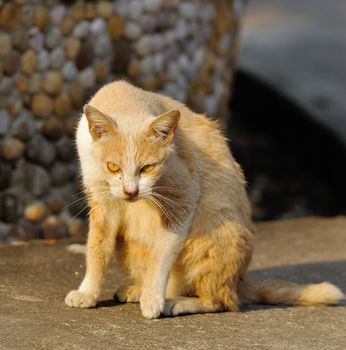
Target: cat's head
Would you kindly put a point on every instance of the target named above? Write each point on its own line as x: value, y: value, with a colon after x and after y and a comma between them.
x: 132, y: 156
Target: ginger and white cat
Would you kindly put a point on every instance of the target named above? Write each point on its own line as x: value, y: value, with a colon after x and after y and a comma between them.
x: 168, y: 199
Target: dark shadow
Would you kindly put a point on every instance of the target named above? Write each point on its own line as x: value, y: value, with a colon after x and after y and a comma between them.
x: 108, y: 303
x: 334, y: 272
x: 284, y: 150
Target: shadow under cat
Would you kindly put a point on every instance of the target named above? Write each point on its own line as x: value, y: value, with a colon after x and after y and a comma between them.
x: 333, y: 272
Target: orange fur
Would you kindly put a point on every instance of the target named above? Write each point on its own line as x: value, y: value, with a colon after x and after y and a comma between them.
x: 187, y: 236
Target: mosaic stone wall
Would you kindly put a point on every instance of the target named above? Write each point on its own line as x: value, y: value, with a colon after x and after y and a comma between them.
x: 54, y: 55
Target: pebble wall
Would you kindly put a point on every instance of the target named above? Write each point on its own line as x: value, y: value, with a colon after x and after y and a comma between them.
x: 55, y: 54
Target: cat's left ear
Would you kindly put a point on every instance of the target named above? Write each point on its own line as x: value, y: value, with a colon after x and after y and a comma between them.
x: 164, y: 126
x: 99, y: 123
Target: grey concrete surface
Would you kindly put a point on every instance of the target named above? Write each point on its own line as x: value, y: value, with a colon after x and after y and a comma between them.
x: 35, y: 278
x: 300, y: 47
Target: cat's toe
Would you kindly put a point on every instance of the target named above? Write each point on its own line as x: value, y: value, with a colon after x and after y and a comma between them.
x: 128, y: 294
x: 151, y: 305
x: 178, y: 307
x: 80, y: 299
x: 169, y: 308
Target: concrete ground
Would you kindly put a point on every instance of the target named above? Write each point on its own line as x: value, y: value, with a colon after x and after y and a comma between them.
x: 300, y: 47
x: 35, y: 278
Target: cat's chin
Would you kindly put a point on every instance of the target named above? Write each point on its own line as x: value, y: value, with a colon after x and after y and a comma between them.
x: 131, y: 199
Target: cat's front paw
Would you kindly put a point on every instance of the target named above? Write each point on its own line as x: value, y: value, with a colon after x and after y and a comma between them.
x: 128, y: 293
x: 80, y: 299
x: 151, y: 305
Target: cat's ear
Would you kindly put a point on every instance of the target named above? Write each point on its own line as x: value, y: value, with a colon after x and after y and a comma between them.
x: 164, y: 126
x: 99, y: 123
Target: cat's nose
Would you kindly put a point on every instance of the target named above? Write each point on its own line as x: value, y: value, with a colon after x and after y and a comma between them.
x: 130, y: 193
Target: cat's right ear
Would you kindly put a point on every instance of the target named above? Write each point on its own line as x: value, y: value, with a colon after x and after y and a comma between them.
x: 99, y: 123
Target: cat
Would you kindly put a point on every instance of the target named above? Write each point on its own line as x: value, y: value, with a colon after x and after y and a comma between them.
x: 168, y: 200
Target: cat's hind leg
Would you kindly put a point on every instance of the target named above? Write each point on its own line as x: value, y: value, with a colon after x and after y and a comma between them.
x: 128, y: 293
x: 190, y: 305
x: 212, y: 265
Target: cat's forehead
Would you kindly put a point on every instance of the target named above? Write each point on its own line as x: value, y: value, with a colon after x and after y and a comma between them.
x: 132, y: 123
x: 131, y: 145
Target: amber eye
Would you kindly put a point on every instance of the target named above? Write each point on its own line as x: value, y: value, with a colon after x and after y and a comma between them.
x: 148, y: 168
x: 114, y: 168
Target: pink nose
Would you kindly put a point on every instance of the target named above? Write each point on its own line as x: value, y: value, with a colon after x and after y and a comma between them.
x: 131, y: 193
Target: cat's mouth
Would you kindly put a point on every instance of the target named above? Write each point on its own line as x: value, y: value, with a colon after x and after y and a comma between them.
x: 131, y: 199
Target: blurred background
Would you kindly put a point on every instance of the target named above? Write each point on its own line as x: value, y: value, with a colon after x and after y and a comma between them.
x: 272, y: 71
x: 289, y: 107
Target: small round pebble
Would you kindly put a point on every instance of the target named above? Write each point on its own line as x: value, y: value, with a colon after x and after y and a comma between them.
x: 87, y: 77
x: 20, y: 39
x: 42, y: 19
x: 77, y: 10
x: 43, y: 60
x: 37, y: 41
x: 152, y: 5
x: 29, y: 62
x: 4, y: 122
x: 53, y: 37
x: 34, y: 212
x: 135, y: 9
x: 144, y: 45
x: 81, y: 29
x: 62, y: 105
x: 42, y: 105
x: 52, y: 83
x: 55, y: 204
x: 11, y: 148
x: 104, y: 9
x: 101, y: 71
x: 72, y: 47
x: 35, y: 83
x: 188, y: 10
x: 103, y: 46
x: 77, y: 228
x: 40, y: 150
x: 32, y: 178
x: 67, y: 25
x: 10, y: 63
x: 15, y: 106
x: 76, y: 91
x: 57, y: 58
x: 52, y: 129
x: 57, y: 14
x: 98, y: 26
x: 5, y: 44
x: 23, y: 126
x: 132, y: 31
x: 69, y: 71
x: 54, y: 228
x: 115, y: 27
x: 147, y: 22
x: 86, y: 54
x: 6, y: 85
x: 90, y: 11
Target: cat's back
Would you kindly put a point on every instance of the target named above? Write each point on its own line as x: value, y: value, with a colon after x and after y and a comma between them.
x: 121, y: 97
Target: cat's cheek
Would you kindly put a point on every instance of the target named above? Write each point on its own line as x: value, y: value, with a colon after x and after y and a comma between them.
x: 145, y: 185
x: 115, y: 192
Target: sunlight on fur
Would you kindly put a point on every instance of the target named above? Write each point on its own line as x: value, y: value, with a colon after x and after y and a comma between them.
x: 168, y: 200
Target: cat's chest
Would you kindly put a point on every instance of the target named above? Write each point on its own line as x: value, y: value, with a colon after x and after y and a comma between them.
x: 141, y: 222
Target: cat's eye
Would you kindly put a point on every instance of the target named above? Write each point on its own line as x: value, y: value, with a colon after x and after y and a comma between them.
x: 114, y: 168
x: 148, y: 168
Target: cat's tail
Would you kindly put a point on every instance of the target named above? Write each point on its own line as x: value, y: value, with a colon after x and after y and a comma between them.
x: 288, y: 293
